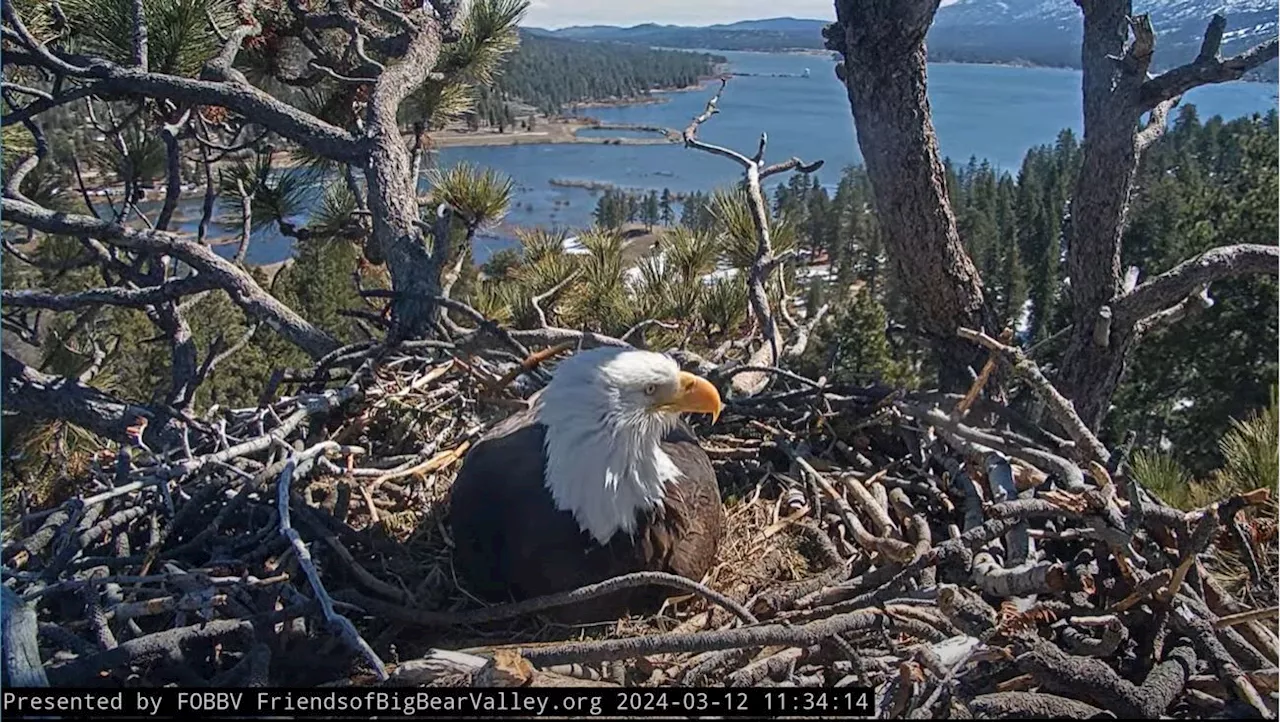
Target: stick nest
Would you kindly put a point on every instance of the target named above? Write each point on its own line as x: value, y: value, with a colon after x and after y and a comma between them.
x: 942, y: 548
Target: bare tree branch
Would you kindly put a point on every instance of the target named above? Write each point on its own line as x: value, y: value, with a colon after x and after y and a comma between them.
x: 221, y: 66
x: 238, y: 284
x: 115, y: 296
x: 765, y: 261
x: 392, y: 192
x: 885, y: 72
x: 13, y: 184
x: 1207, y: 68
x: 537, y: 300
x: 173, y: 177
x: 789, y: 165
x: 217, y: 354
x: 1118, y: 91
x: 100, y: 355
x: 325, y: 69
x: 298, y: 126
x: 1192, y: 304
x: 24, y: 90
x: 246, y: 222
x: 691, y: 133
x: 1183, y: 280
x: 139, y: 19
x: 43, y: 105
x: 1059, y: 405
x: 1156, y: 123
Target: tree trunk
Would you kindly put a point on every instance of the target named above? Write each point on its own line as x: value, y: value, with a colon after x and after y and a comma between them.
x: 1110, y: 319
x: 884, y: 70
x: 1094, y: 362
x: 393, y: 194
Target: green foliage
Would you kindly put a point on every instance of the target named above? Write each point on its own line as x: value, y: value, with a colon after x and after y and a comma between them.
x: 649, y: 213
x: 335, y: 211
x: 473, y: 61
x: 179, y: 38
x: 480, y: 196
x: 615, y: 208
x: 237, y: 381
x: 489, y: 35
x: 274, y: 195
x: 502, y: 264
x: 598, y: 300
x: 18, y: 143
x: 141, y: 161
x: 724, y: 306
x: 1251, y: 459
x: 666, y: 207
x: 696, y: 212
x: 1204, y: 184
x: 851, y: 346
x: 736, y: 223
x: 613, y: 289
x: 1163, y: 476
x: 319, y: 283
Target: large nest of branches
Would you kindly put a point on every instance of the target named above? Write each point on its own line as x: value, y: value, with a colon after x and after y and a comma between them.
x: 938, y: 546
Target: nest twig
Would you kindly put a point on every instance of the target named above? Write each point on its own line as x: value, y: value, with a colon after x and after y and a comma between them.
x: 874, y: 537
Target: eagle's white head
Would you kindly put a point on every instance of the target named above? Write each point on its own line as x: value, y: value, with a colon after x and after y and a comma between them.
x: 605, y: 412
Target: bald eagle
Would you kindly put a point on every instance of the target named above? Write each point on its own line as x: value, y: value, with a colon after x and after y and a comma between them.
x: 599, y: 477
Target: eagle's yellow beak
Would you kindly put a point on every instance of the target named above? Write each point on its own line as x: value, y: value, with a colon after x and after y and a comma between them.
x: 696, y: 396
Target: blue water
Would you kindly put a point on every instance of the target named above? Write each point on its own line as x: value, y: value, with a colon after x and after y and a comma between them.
x: 616, y: 133
x: 991, y: 112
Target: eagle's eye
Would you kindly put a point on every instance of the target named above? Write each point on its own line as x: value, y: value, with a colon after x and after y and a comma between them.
x: 651, y: 389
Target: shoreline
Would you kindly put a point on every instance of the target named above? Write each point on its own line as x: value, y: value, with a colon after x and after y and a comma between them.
x: 563, y: 129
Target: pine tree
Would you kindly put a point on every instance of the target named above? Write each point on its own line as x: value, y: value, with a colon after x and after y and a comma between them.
x: 614, y: 208
x: 649, y: 213
x: 853, y: 347
x: 667, y: 215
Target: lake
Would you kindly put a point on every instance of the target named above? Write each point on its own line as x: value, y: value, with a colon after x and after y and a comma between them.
x: 991, y: 112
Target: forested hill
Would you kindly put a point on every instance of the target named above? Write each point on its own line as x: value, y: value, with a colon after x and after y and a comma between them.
x: 550, y: 73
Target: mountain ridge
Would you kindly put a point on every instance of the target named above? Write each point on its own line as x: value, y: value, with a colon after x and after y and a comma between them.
x: 1031, y: 32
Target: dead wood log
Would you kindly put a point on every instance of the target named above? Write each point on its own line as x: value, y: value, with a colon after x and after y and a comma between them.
x: 1030, y: 705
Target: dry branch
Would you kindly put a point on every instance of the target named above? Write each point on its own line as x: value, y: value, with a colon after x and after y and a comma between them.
x: 238, y: 284
x: 765, y: 261
x: 1061, y: 408
x: 345, y: 628
x: 922, y: 557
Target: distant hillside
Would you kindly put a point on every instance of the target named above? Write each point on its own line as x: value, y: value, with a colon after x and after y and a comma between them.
x: 549, y: 72
x: 1031, y: 32
x: 766, y: 35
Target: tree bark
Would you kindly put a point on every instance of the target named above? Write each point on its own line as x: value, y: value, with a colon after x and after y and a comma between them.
x: 884, y: 71
x: 415, y: 266
x: 28, y: 391
x: 1091, y: 372
x: 1117, y: 93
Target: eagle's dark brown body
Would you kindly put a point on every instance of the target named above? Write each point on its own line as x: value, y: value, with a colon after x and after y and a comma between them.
x: 512, y: 543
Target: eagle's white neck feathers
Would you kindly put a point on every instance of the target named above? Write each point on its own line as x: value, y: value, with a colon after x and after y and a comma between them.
x: 604, y: 463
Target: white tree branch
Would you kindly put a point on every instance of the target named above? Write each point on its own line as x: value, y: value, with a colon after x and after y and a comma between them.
x: 1181, y: 281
